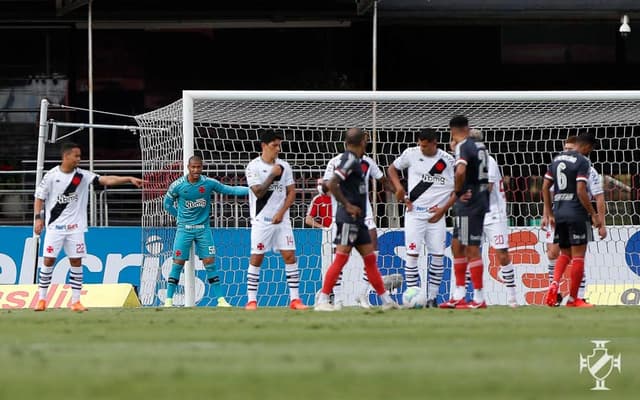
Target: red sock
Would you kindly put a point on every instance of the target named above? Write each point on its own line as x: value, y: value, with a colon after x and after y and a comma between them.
x: 373, y: 273
x: 460, y: 269
x: 333, y: 273
x: 561, y: 265
x: 577, y: 272
x: 476, y: 268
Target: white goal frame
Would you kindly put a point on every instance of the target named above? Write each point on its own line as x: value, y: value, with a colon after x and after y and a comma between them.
x: 190, y: 96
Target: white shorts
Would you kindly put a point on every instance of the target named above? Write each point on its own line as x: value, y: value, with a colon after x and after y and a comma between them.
x: 419, y: 231
x: 369, y: 219
x: 73, y: 244
x: 548, y: 235
x: 267, y: 237
x: 497, y: 234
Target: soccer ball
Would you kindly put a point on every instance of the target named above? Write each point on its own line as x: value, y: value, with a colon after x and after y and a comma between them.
x: 413, y: 297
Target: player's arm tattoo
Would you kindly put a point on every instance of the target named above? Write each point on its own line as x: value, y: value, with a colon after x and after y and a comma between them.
x: 261, y: 189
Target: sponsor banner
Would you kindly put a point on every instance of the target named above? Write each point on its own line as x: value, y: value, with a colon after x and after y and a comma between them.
x: 116, y: 254
x: 613, y: 261
x: 232, y: 261
x: 614, y: 295
x: 59, y: 296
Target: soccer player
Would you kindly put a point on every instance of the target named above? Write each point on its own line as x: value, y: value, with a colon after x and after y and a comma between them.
x: 596, y: 192
x: 430, y: 176
x: 571, y: 216
x: 471, y: 182
x: 496, y: 229
x: 192, y: 195
x: 371, y: 170
x: 61, y: 204
x: 272, y: 193
x: 319, y: 214
x: 348, y: 186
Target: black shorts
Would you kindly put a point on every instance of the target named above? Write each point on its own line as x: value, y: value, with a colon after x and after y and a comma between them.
x: 352, y: 234
x: 468, y: 229
x: 573, y: 233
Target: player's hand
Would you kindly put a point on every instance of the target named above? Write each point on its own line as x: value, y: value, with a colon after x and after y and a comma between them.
x: 400, y: 195
x: 137, y: 181
x: 602, y: 231
x: 438, y: 213
x: 38, y: 226
x: 544, y: 224
x: 277, y: 218
x: 466, y: 196
x: 276, y: 170
x: 352, y: 210
x: 409, y: 204
x: 552, y: 222
x: 595, y: 221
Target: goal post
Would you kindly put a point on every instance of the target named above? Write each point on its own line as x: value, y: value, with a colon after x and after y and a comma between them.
x: 523, y: 129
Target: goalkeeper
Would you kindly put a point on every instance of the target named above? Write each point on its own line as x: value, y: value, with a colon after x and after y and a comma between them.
x: 189, y: 200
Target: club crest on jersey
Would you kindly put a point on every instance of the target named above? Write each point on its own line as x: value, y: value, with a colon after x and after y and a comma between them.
x: 195, y: 204
x: 67, y: 198
x: 365, y: 166
x: 76, y: 180
x: 440, y: 166
x: 201, y: 189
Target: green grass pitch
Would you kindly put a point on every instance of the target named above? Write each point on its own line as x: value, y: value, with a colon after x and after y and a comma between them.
x: 207, y: 353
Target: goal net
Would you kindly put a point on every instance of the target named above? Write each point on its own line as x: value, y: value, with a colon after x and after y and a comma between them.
x: 523, y: 130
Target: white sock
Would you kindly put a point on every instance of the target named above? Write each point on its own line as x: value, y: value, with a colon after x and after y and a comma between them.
x: 508, y: 276
x: 75, y: 279
x: 478, y: 295
x: 386, y: 297
x: 583, y: 286
x: 323, y: 298
x: 411, y: 274
x: 253, y: 278
x: 293, y: 280
x: 434, y: 273
x: 459, y: 292
x: 44, y: 281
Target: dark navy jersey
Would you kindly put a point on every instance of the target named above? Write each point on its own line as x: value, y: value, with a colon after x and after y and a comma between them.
x: 566, y: 170
x: 353, y: 186
x: 474, y: 155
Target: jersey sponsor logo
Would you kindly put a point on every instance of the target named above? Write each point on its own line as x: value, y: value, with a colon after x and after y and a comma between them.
x: 67, y: 198
x: 428, y: 179
x: 195, y: 204
x: 68, y: 192
x: 439, y: 179
x: 563, y: 197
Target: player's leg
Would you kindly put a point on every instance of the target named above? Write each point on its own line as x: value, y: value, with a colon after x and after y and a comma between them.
x: 414, y: 233
x: 360, y: 238
x: 261, y: 242
x: 363, y: 297
x: 581, y: 233
x: 75, y: 248
x: 181, y: 250
x: 371, y: 268
x: 286, y: 243
x: 498, y: 235
x: 51, y: 247
x: 561, y: 238
x: 344, y: 244
x: 207, y: 252
x: 472, y: 236
x: 435, y: 239
x: 458, y: 248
